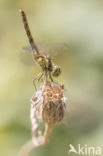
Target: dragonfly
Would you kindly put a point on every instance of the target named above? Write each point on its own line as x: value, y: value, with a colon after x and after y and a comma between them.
x: 49, y: 69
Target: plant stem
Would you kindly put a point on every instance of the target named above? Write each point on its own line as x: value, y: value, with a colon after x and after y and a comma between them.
x: 26, y: 149
x: 48, y: 128
x: 29, y: 146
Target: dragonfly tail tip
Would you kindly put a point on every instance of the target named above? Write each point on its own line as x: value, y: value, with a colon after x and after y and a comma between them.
x: 21, y: 11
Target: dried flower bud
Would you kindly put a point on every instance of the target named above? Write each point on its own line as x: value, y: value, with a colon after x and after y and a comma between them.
x: 48, y: 105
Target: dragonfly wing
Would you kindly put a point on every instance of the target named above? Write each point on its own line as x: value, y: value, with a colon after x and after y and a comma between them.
x: 27, y: 49
x: 26, y: 56
x: 50, y: 49
x: 53, y: 49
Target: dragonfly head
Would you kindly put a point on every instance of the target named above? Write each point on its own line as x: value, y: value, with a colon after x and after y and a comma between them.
x: 56, y: 71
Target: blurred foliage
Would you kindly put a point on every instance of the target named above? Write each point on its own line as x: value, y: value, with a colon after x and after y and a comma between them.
x: 79, y: 24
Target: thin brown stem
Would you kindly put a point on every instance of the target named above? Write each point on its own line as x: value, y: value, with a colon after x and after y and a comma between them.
x: 48, y: 128
x: 29, y: 146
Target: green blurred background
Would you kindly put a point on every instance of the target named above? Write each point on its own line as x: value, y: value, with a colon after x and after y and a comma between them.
x: 77, y: 23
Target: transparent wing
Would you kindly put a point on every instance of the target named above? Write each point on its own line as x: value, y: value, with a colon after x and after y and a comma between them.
x: 50, y: 49
x: 53, y: 49
x: 26, y: 56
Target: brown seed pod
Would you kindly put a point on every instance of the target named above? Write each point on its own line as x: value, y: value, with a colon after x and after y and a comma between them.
x: 48, y: 105
x: 53, y: 104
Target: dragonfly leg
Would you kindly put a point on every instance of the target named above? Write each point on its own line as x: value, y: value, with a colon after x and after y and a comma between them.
x: 34, y: 83
x: 46, y: 76
x: 35, y: 80
x: 51, y: 77
x: 39, y: 78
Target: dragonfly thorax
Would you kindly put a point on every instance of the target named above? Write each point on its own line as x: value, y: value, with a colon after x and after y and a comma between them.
x: 45, y: 62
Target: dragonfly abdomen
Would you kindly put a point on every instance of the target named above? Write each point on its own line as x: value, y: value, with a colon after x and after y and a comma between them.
x: 28, y: 32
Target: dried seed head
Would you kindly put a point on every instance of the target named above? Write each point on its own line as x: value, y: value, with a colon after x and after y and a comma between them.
x: 53, y: 104
x: 48, y: 106
x: 49, y: 103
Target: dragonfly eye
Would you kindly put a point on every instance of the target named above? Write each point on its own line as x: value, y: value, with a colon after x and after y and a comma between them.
x: 56, y: 71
